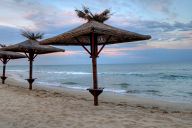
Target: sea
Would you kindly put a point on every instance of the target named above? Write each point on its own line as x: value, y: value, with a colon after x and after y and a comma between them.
x: 164, y: 81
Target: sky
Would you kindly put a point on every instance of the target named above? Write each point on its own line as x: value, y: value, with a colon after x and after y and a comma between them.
x: 169, y: 22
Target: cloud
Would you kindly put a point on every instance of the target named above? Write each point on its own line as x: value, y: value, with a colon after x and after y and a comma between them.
x: 156, y: 5
x: 10, y: 35
x: 40, y: 16
x: 66, y: 53
x: 36, y: 15
x: 149, y: 25
x: 173, y: 40
x: 136, y: 6
x: 52, y: 20
x: 175, y: 35
x: 171, y: 44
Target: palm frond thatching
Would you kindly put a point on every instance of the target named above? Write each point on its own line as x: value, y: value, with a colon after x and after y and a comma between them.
x: 32, y: 35
x: 11, y: 55
x: 86, y: 14
x: 31, y: 46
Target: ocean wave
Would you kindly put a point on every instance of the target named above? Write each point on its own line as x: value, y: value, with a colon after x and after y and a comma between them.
x: 120, y: 73
x: 143, y: 91
x: 139, y: 74
x: 16, y: 70
x: 114, y: 90
x: 77, y: 87
x: 78, y: 73
x: 158, y: 75
x: 123, y: 85
x: 48, y: 83
x: 173, y: 77
x: 133, y: 91
x: 88, y: 73
x: 64, y: 72
x: 189, y: 93
x: 161, y: 75
x: 126, y: 84
x: 152, y: 91
x: 69, y: 83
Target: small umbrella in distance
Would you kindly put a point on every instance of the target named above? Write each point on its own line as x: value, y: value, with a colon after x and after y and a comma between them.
x: 5, y: 56
x: 31, y: 48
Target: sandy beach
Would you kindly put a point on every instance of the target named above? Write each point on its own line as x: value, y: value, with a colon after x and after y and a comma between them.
x: 64, y: 108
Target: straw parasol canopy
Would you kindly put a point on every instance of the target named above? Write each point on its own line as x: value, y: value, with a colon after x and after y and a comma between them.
x: 11, y: 55
x: 5, y: 56
x: 105, y: 35
x: 94, y: 33
x: 31, y: 48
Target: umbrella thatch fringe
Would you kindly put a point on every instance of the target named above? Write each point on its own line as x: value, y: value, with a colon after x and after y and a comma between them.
x: 102, y: 30
x: 31, y: 46
x: 11, y: 55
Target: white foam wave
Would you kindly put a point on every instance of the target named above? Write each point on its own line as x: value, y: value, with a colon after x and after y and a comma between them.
x: 114, y: 90
x: 63, y: 72
x: 17, y: 70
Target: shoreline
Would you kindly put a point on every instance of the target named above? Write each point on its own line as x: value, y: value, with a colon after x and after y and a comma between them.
x: 111, y: 97
x: 156, y: 84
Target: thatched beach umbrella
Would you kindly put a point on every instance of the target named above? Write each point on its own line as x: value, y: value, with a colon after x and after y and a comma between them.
x: 5, y: 56
x: 31, y: 48
x: 94, y: 33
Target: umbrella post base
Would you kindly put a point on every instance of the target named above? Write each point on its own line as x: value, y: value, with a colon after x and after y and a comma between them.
x: 3, y: 79
x: 30, y: 81
x: 95, y: 93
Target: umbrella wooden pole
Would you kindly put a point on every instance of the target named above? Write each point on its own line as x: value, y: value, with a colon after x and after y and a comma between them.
x: 95, y: 85
x: 4, y: 68
x: 3, y: 77
x: 30, y: 73
x: 95, y: 91
x: 31, y: 57
x: 94, y: 67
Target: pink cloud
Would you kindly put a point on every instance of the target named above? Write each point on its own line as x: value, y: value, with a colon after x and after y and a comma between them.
x: 66, y: 53
x: 123, y: 51
x: 106, y: 51
x: 173, y: 40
